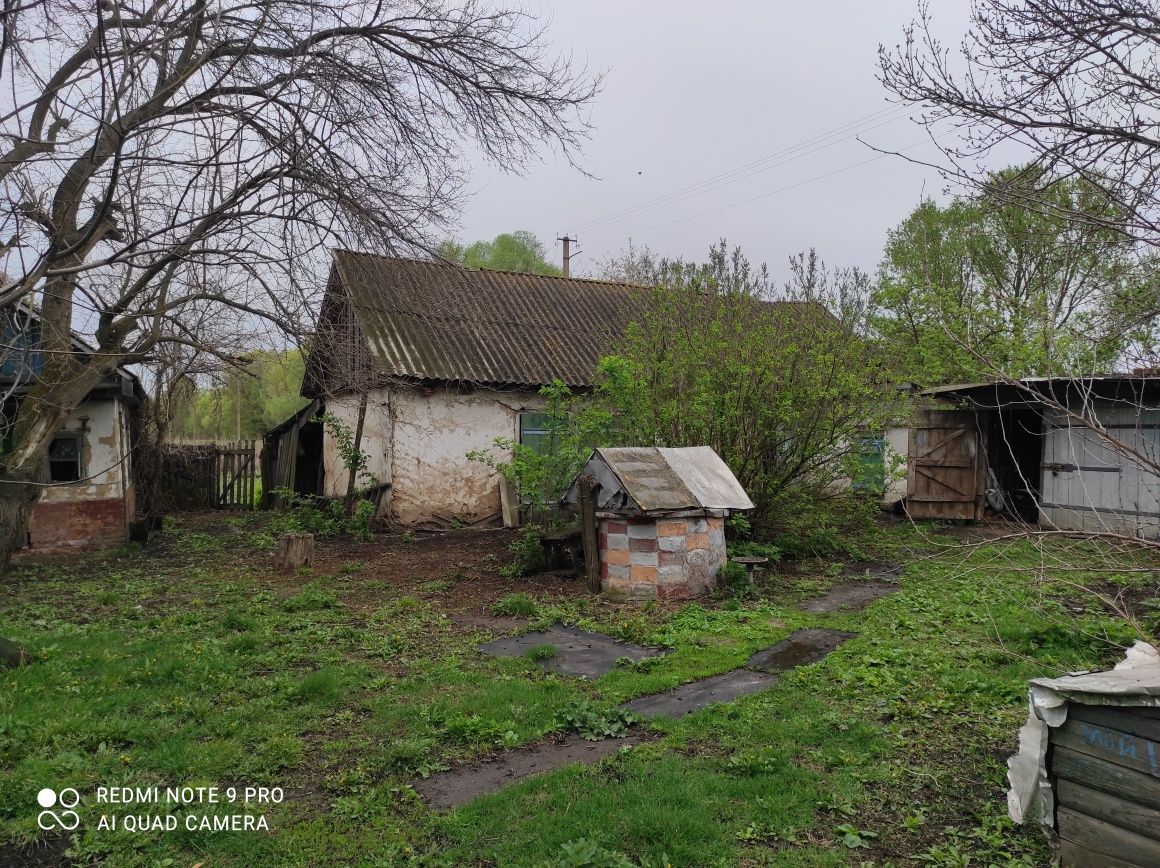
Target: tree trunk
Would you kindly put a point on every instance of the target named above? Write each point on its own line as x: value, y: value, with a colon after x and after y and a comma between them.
x: 352, y: 479
x: 17, y: 498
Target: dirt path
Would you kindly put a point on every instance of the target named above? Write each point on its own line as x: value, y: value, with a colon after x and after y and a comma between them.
x: 457, y: 786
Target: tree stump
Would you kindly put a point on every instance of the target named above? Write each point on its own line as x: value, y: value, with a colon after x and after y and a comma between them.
x: 296, y: 550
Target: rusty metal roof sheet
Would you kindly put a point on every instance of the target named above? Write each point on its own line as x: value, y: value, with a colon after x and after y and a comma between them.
x: 661, y: 479
x: 435, y: 321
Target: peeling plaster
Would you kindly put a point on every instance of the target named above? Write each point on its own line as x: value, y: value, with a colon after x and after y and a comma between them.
x: 418, y: 439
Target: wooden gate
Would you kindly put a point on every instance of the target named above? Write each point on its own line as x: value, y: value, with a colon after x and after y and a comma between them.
x: 946, y: 468
x: 237, y: 472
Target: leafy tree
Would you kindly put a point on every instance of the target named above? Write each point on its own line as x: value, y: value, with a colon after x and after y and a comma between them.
x: 266, y: 384
x: 783, y: 392
x: 512, y: 251
x: 779, y: 382
x: 1006, y: 282
x: 172, y: 167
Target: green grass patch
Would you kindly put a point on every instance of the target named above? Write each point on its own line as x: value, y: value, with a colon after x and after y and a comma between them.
x: 186, y: 664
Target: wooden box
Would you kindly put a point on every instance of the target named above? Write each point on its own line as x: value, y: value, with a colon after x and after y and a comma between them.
x: 1104, y: 766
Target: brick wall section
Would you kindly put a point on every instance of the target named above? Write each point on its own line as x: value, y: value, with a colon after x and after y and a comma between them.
x: 81, y: 523
x: 665, y: 559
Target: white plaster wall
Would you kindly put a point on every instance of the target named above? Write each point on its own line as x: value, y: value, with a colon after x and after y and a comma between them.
x: 376, y: 440
x: 894, y: 457
x: 104, y: 449
x: 418, y: 439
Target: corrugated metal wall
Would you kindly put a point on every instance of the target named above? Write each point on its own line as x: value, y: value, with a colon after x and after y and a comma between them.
x: 1087, y: 485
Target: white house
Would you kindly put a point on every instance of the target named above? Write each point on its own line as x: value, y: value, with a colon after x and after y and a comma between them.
x: 89, y: 498
x: 439, y: 360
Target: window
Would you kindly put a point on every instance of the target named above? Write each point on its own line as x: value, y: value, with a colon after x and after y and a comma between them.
x: 64, y: 457
x: 535, y: 433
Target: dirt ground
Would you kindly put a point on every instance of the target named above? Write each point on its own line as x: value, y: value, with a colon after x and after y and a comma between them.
x: 461, y: 568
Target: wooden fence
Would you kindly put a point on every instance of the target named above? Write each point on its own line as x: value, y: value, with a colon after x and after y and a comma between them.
x: 211, y: 476
x: 237, y: 473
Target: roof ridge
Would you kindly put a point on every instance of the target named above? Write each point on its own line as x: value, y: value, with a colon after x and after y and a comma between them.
x: 448, y: 264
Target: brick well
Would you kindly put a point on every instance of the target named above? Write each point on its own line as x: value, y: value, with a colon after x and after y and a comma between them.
x: 666, y: 558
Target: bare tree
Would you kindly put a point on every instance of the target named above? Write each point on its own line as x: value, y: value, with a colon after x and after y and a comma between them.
x: 1073, y: 82
x: 170, y: 157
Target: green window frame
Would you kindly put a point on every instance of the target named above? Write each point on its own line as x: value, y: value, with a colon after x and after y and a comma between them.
x: 535, y: 433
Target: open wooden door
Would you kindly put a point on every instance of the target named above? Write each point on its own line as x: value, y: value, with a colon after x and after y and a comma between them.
x: 946, y: 467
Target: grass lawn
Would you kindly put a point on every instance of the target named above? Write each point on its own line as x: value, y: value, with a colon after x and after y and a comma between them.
x: 193, y: 663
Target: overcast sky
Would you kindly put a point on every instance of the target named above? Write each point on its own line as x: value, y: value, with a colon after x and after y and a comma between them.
x: 694, y: 90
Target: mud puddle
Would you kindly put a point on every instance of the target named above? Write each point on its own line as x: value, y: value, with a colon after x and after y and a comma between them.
x: 798, y: 649
x: 577, y: 652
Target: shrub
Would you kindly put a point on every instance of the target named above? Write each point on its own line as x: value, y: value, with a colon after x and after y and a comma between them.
x: 303, y: 514
x: 527, y: 551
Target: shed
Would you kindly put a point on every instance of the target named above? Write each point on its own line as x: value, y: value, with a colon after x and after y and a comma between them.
x: 660, y: 518
x: 1040, y: 450
x: 1088, y: 767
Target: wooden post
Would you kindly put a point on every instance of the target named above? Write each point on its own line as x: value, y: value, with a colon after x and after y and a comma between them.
x: 588, y: 532
x: 296, y: 550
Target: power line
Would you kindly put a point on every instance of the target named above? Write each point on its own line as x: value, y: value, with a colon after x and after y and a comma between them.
x: 763, y: 195
x: 773, y: 160
x: 753, y: 163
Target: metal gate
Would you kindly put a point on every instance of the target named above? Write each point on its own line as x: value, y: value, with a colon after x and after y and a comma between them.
x: 946, y: 467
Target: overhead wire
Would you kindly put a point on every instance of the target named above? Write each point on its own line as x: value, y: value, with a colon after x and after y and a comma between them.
x: 760, y: 196
x: 773, y: 160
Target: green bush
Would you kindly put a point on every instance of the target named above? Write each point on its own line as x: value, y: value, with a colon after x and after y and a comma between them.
x: 594, y: 722
x: 303, y: 514
x: 527, y: 550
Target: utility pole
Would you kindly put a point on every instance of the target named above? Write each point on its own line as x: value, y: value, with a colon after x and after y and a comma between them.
x: 567, y: 251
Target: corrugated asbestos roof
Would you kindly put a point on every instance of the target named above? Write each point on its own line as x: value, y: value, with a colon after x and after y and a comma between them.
x: 662, y: 479
x: 434, y: 321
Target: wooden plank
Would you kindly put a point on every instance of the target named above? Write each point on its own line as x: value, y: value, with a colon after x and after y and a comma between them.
x: 588, y: 532
x: 1142, y: 722
x: 1110, y: 745
x: 1095, y: 773
x: 1117, y: 843
x: 1075, y: 855
x: 1108, y: 807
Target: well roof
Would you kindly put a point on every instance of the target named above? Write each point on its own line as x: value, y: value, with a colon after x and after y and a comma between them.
x: 652, y: 479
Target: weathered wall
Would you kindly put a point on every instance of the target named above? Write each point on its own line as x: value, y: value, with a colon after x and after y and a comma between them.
x: 418, y: 439
x: 94, y: 510
x: 897, y: 442
x: 662, y: 558
x: 376, y: 440
x: 1088, y: 486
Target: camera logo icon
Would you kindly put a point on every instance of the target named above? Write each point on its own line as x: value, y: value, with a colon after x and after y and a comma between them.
x: 66, y: 818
